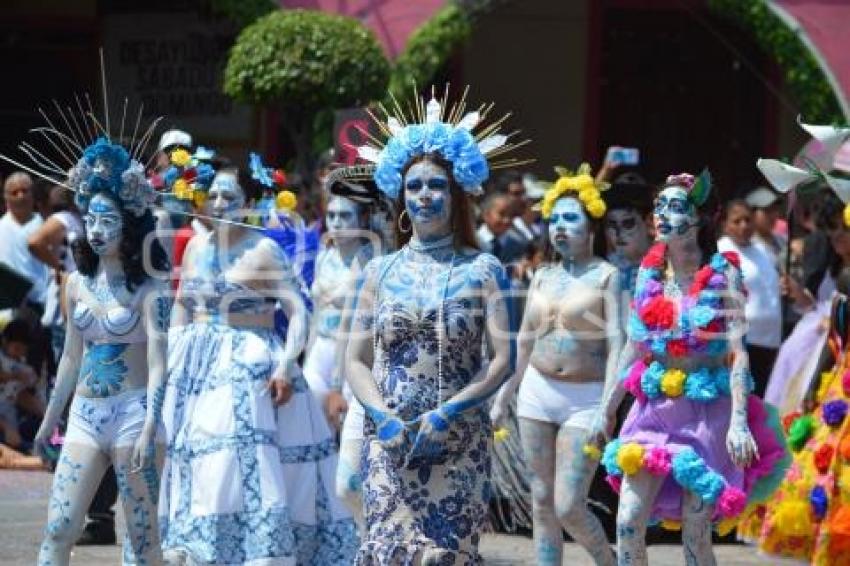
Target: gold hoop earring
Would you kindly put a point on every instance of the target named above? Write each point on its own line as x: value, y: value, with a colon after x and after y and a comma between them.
x: 409, y: 223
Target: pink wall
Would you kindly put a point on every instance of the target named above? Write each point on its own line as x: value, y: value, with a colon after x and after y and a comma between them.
x: 826, y: 23
x: 392, y: 20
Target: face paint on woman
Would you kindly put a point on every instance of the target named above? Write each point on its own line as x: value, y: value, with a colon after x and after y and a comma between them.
x: 225, y: 198
x: 342, y: 215
x: 104, y: 225
x: 427, y: 198
x: 569, y: 228
x: 674, y: 214
x: 627, y: 233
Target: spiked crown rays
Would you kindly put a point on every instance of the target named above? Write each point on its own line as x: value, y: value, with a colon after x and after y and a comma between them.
x: 75, y: 150
x: 460, y: 137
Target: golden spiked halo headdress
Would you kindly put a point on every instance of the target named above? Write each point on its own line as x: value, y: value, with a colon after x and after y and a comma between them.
x: 436, y: 126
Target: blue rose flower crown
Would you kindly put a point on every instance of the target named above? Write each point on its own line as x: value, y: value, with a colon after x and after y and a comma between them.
x: 458, y: 136
x: 84, y: 159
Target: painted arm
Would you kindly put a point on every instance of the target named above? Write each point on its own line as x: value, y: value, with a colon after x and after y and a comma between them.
x: 495, y: 289
x: 66, y: 376
x: 525, y: 346
x: 180, y: 316
x: 359, y: 358
x: 44, y: 240
x: 740, y: 443
x: 615, y: 339
x: 288, y: 291
x: 156, y: 312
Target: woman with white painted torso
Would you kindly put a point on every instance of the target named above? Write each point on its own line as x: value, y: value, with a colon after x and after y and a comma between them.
x: 113, y: 360
x: 567, y: 350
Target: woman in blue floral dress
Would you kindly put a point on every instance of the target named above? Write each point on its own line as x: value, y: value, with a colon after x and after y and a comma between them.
x: 424, y: 319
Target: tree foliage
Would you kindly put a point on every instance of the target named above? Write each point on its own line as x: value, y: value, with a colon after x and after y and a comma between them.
x: 429, y: 47
x: 242, y: 12
x: 804, y: 77
x: 306, y: 59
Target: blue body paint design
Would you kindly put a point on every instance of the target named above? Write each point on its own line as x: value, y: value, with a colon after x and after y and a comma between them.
x: 103, y: 369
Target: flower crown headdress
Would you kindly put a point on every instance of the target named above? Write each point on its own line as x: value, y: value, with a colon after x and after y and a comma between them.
x: 84, y: 158
x: 275, y: 181
x: 580, y: 184
x: 458, y: 136
x: 189, y: 176
x: 698, y: 188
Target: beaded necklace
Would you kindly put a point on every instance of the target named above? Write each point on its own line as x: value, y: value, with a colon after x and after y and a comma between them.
x: 440, y: 329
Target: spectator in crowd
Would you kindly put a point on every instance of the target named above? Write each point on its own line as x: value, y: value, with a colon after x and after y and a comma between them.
x: 528, y: 222
x: 18, y: 223
x: 761, y: 279
x: 766, y: 211
x: 50, y: 244
x: 495, y: 235
x: 16, y: 226
x: 812, y: 297
x: 20, y: 409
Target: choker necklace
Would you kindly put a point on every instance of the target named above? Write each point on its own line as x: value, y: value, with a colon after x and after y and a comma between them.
x: 443, y: 242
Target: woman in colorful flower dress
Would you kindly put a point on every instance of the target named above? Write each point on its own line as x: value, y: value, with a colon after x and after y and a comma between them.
x: 696, y: 447
x: 224, y: 498
x: 567, y: 352
x: 113, y: 361
x: 416, y: 353
x: 808, y: 518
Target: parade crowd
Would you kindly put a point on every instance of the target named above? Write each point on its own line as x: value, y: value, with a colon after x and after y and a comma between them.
x: 376, y: 367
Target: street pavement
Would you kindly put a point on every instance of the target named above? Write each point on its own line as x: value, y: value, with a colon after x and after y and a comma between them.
x: 23, y: 509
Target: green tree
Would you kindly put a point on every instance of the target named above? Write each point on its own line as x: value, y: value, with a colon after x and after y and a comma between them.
x: 302, y: 62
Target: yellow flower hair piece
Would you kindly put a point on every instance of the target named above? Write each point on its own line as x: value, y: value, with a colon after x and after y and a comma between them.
x: 286, y: 200
x: 199, y: 197
x: 630, y: 458
x: 180, y: 157
x: 501, y: 434
x: 847, y: 215
x: 673, y: 382
x: 580, y: 185
x: 182, y: 189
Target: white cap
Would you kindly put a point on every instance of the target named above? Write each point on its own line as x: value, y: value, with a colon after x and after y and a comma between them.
x: 175, y: 137
x: 534, y: 189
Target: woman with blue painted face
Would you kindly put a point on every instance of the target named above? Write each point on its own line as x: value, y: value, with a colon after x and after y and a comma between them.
x: 113, y: 361
x: 696, y: 448
x: 427, y: 318
x: 567, y: 351
x: 224, y: 495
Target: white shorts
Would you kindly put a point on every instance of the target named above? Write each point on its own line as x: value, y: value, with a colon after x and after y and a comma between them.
x: 107, y: 422
x: 561, y: 402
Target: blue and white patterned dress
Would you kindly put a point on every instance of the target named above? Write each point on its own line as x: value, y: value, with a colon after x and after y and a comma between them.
x: 432, y: 508
x: 243, y: 482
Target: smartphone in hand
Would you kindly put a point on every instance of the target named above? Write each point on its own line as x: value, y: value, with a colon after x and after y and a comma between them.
x: 618, y: 155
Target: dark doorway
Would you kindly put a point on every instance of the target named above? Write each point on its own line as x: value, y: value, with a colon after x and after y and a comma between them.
x: 42, y: 59
x: 668, y: 84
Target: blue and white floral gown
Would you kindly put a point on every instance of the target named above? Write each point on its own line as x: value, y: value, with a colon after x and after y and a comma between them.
x: 436, y: 507
x: 243, y: 482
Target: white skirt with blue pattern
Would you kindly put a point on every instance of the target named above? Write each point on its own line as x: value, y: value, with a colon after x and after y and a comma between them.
x: 244, y: 483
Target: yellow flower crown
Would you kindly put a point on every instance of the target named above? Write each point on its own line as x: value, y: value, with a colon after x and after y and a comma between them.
x: 580, y: 184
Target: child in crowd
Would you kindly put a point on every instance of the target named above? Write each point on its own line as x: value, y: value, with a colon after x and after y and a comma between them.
x: 18, y: 404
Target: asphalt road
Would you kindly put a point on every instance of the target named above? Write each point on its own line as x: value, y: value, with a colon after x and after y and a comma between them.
x: 23, y: 509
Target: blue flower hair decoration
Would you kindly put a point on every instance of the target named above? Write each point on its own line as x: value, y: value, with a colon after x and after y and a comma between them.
x: 108, y: 168
x: 434, y: 127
